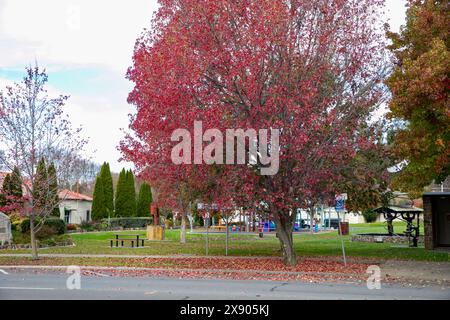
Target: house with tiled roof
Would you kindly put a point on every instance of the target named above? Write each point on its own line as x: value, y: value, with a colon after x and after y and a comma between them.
x: 74, y: 207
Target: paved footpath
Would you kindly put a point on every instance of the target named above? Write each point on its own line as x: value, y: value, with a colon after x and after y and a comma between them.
x: 26, y: 284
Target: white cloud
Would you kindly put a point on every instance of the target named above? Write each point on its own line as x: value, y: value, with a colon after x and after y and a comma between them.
x: 75, y: 32
x: 395, y: 13
x: 95, y: 34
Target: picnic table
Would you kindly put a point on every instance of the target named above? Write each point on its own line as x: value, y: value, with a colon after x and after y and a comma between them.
x: 132, y: 238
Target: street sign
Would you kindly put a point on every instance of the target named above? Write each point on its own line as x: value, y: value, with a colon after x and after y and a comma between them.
x: 340, y: 202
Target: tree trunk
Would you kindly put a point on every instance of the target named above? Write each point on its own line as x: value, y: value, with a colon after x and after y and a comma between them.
x: 34, y: 250
x: 191, y: 222
x: 183, y: 228
x: 284, y: 231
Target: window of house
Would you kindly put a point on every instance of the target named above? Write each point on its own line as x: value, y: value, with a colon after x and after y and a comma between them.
x: 88, y: 215
x: 67, y: 216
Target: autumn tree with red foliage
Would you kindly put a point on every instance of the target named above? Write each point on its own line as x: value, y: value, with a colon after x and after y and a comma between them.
x: 311, y: 69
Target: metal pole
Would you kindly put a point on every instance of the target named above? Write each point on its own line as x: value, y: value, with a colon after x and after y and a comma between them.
x: 226, y: 240
x: 329, y: 218
x: 207, y: 234
x: 342, y: 239
x: 300, y: 224
x: 321, y: 218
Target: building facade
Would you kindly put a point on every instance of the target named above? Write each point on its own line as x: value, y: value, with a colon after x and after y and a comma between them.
x: 75, y: 208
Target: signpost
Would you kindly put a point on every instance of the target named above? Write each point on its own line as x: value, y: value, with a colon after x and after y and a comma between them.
x: 340, y: 207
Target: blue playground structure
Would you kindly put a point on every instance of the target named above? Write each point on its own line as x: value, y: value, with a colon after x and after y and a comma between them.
x: 269, y: 226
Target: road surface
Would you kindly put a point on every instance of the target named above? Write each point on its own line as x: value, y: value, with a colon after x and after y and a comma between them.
x: 26, y: 284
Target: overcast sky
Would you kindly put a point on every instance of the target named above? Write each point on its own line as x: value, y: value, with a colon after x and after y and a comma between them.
x: 86, y: 46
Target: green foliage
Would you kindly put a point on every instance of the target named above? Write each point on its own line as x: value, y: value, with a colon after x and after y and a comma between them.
x: 103, y: 203
x: 41, y: 186
x: 106, y: 177
x: 99, y: 210
x: 144, y: 201
x: 12, y: 187
x: 6, y: 183
x: 87, y: 226
x: 15, y: 188
x: 45, y: 236
x: 57, y: 225
x: 121, y: 196
x: 4, y: 191
x: 131, y: 191
x: 125, y: 195
x: 419, y: 86
x: 130, y: 222
x: 198, y: 220
x: 53, y: 189
x: 370, y: 216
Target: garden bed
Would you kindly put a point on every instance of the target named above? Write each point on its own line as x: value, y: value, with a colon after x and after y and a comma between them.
x: 384, y: 238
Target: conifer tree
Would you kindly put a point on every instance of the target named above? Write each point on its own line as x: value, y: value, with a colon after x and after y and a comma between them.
x: 121, y: 195
x: 53, y: 188
x: 131, y: 192
x: 5, y: 189
x: 144, y: 201
x: 106, y: 177
x: 98, y: 204
x: 16, y: 183
x: 11, y: 192
x: 41, y: 186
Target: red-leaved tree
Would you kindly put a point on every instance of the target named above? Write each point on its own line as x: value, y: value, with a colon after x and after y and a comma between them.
x: 311, y: 69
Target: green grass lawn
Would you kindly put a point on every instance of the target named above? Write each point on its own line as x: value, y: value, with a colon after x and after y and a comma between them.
x: 306, y: 244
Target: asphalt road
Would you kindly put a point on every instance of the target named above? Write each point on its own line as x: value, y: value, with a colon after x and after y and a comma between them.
x: 52, y: 286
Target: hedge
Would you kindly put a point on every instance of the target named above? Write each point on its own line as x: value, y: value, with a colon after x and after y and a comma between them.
x: 55, y: 223
x: 129, y: 222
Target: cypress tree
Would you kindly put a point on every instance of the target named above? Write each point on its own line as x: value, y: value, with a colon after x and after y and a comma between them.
x: 7, y: 184
x: 105, y: 175
x: 144, y: 200
x: 41, y: 186
x: 53, y: 189
x: 98, y: 203
x: 11, y: 191
x: 16, y: 183
x: 121, y: 195
x: 5, y: 191
x: 131, y: 192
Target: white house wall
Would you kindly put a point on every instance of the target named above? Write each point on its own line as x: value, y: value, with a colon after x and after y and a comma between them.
x: 78, y: 209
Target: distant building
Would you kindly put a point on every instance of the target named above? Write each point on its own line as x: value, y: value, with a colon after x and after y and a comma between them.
x: 5, y: 229
x: 75, y: 208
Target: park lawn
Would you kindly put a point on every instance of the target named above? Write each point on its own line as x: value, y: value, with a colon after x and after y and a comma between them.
x: 306, y: 245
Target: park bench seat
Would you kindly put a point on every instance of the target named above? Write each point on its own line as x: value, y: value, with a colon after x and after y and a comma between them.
x: 133, y: 241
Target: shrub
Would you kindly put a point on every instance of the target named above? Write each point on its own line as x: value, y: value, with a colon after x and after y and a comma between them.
x: 128, y: 223
x: 58, y: 225
x: 101, y: 226
x: 72, y: 227
x: 370, y: 216
x: 87, y: 226
x: 46, y: 232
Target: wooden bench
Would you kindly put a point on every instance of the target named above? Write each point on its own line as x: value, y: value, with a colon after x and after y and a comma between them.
x: 133, y: 239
